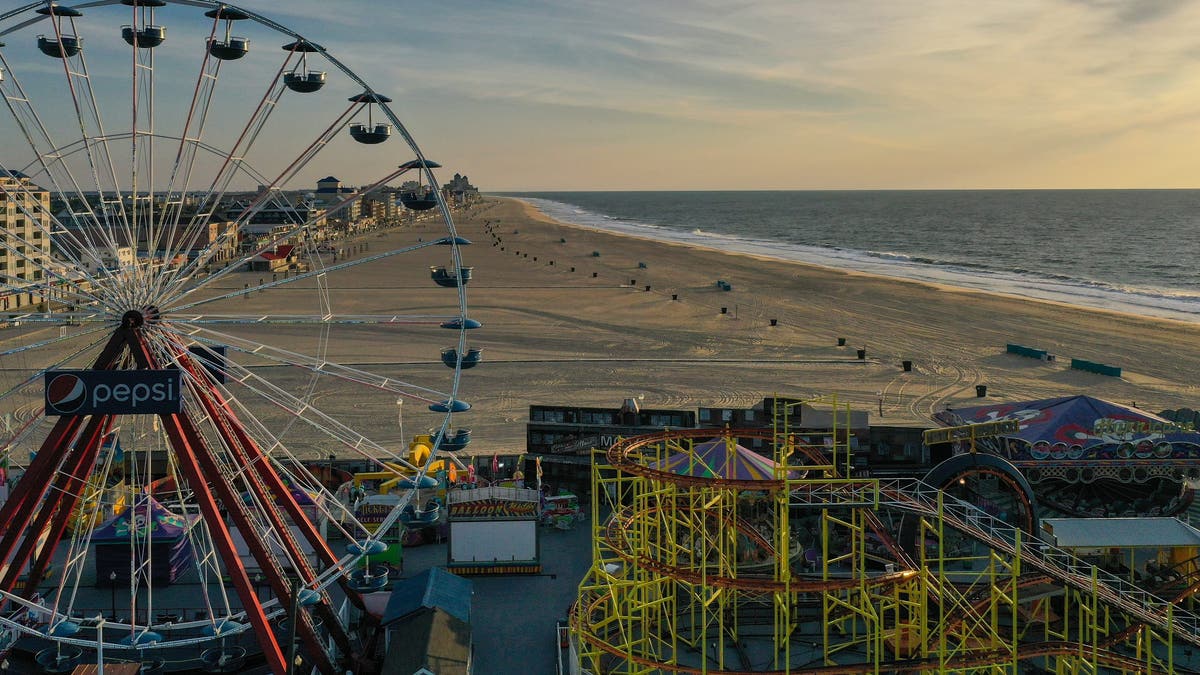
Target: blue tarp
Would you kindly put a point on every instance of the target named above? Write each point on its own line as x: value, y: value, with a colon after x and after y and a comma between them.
x: 1081, y: 427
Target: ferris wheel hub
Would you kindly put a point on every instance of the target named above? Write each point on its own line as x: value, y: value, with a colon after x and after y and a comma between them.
x: 136, y: 318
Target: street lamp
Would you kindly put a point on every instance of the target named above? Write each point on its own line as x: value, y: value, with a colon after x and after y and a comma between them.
x: 112, y: 586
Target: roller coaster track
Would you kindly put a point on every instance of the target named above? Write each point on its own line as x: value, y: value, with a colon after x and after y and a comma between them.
x: 1040, y: 562
x: 914, y: 496
x: 591, y: 603
x: 615, y: 537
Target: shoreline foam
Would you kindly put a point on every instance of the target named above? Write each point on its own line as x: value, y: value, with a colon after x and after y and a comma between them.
x: 1160, y: 303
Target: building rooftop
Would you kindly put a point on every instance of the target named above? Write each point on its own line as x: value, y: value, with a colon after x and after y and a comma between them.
x: 1120, y: 532
x: 433, y: 588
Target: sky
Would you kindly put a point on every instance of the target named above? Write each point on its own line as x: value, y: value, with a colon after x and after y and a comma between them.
x: 769, y: 94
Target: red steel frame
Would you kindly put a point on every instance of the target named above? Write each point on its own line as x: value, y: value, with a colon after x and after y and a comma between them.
x: 67, y: 457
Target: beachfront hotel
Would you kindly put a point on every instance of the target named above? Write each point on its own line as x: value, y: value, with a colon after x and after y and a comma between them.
x: 26, y: 222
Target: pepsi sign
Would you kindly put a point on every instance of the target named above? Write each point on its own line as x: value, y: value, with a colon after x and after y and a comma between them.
x: 114, y: 392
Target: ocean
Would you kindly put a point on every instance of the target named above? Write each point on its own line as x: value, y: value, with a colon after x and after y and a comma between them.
x: 1125, y: 250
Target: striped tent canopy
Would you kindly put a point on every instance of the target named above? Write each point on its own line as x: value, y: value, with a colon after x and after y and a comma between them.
x: 719, y: 458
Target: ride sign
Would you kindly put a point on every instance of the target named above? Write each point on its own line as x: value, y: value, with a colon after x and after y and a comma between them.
x: 114, y: 392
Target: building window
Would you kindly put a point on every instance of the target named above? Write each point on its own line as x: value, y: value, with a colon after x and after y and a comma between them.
x: 547, y: 416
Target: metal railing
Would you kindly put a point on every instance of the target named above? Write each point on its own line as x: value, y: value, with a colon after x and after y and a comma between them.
x: 914, y: 496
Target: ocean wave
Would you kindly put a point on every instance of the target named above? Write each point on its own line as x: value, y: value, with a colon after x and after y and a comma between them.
x: 1015, y: 280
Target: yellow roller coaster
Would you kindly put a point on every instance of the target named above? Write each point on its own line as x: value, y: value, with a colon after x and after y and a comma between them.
x: 712, y: 557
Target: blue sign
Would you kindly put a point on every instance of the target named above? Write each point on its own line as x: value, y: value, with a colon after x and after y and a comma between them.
x: 114, y: 392
x: 213, y: 359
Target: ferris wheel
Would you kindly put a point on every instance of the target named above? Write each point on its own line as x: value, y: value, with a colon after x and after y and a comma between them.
x: 182, y: 340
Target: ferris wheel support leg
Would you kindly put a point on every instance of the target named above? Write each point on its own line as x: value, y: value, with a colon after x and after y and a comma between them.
x: 57, y: 510
x: 54, y: 452
x: 17, y: 511
x: 262, y: 466
x: 236, y: 439
x: 181, y: 436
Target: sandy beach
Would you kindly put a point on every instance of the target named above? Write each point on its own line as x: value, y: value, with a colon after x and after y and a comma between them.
x: 596, y: 335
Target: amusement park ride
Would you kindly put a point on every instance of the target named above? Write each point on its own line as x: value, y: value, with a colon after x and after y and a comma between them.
x: 717, y: 559
x: 140, y: 385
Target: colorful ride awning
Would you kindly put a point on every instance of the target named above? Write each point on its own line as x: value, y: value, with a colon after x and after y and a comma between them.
x: 1080, y: 427
x: 150, y: 519
x: 719, y: 458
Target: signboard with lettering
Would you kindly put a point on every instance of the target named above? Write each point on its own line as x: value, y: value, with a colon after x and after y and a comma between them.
x: 114, y: 392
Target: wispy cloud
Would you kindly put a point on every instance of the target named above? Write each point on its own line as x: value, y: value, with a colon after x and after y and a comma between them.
x: 809, y: 93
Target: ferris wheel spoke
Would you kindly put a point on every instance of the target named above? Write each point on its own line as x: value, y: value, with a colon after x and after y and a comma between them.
x: 296, y: 277
x: 319, y: 366
x: 52, y: 341
x: 309, y: 414
x: 264, y: 197
x: 98, y: 315
x: 231, y: 164
x: 53, y: 166
x: 21, y: 198
x: 37, y: 375
x: 193, y: 132
x: 91, y: 125
x: 313, y: 319
x: 285, y: 400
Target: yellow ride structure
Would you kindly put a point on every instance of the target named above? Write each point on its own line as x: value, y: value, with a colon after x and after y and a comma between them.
x: 807, y: 568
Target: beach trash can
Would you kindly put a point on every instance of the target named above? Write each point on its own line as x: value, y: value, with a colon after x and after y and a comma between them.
x: 862, y: 354
x: 841, y: 342
x: 595, y: 274
x: 774, y: 322
x: 641, y: 265
x: 633, y: 282
x: 980, y: 390
x: 595, y: 254
x: 647, y: 286
x: 724, y: 310
x: 907, y: 366
x: 674, y: 296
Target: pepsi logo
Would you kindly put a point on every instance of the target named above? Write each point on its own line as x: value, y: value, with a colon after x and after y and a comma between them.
x: 114, y: 392
x: 66, y: 393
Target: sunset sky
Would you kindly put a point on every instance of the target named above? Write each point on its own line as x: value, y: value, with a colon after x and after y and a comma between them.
x: 778, y: 94
x: 793, y: 94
